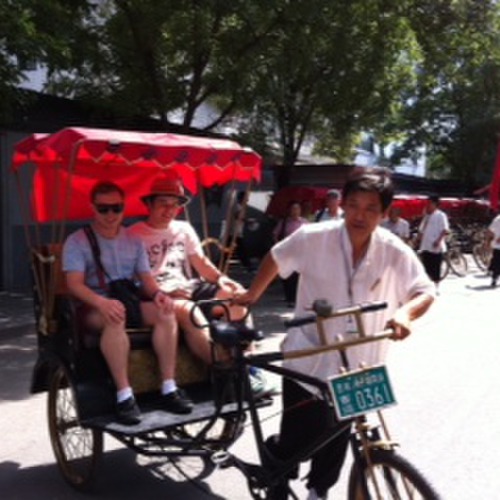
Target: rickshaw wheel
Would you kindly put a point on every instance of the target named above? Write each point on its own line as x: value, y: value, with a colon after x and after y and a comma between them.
x: 77, y: 449
x: 223, y: 433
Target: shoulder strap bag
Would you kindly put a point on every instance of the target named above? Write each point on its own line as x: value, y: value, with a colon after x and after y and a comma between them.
x: 124, y: 290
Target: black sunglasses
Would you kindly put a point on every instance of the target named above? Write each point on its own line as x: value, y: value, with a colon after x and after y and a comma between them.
x: 104, y: 208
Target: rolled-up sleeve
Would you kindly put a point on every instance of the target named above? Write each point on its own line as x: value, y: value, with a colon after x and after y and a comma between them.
x: 288, y: 253
x: 73, y: 257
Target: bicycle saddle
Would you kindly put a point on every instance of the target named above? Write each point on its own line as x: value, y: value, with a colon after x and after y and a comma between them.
x: 234, y: 333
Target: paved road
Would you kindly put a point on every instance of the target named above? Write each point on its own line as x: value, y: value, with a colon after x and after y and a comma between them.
x: 445, y: 378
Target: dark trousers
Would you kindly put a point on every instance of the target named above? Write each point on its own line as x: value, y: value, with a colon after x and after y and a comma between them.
x: 305, y: 418
x: 495, y: 264
x: 290, y: 287
x: 432, y: 265
x: 242, y: 254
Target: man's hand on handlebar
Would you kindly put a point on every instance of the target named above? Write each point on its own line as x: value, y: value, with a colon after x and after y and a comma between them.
x: 401, y: 324
x: 244, y: 298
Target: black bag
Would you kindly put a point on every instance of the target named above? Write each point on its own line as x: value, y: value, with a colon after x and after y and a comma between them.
x: 124, y: 290
x: 127, y: 292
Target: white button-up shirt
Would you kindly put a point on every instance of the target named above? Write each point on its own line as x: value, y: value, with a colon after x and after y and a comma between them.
x: 322, y: 255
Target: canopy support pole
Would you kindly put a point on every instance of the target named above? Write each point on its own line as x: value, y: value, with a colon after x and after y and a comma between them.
x: 204, y: 217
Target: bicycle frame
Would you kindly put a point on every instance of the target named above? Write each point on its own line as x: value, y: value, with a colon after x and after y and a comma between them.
x: 272, y: 470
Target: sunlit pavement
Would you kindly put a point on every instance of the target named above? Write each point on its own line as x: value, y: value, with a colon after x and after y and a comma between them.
x: 444, y: 376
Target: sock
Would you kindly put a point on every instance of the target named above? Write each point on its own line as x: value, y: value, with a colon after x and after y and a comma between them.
x: 124, y: 394
x: 253, y: 370
x: 314, y: 496
x: 168, y: 386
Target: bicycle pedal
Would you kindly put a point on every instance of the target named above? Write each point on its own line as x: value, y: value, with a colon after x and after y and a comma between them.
x: 222, y: 459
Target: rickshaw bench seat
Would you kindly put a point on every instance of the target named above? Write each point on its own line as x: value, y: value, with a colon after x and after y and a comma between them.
x: 140, y: 338
x: 143, y: 365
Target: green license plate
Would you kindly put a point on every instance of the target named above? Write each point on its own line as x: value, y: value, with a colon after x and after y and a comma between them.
x: 356, y: 393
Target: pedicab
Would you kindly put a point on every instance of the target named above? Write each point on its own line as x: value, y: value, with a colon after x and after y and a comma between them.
x: 55, y: 174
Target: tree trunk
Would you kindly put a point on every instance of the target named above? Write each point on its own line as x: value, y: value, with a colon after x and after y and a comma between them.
x: 282, y: 176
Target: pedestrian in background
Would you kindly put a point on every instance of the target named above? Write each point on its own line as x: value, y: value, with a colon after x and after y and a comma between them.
x: 493, y: 237
x: 432, y: 235
x: 237, y: 231
x: 396, y: 224
x: 285, y: 227
x: 332, y: 209
x: 308, y: 210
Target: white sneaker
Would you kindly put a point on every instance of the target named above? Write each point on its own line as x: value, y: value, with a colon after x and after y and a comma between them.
x: 314, y: 496
x: 261, y: 386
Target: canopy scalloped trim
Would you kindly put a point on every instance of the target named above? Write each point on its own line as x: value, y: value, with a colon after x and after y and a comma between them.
x: 76, y: 158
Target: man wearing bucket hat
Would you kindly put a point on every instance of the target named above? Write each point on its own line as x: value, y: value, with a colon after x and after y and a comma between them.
x: 175, y: 251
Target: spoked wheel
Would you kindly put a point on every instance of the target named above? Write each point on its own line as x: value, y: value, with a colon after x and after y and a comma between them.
x: 458, y: 262
x: 391, y: 478
x: 76, y: 449
x: 482, y: 256
x: 445, y: 268
x: 223, y: 432
x: 196, y: 436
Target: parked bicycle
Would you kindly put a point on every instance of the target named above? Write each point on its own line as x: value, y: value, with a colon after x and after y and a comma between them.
x: 482, y: 250
x: 454, y: 260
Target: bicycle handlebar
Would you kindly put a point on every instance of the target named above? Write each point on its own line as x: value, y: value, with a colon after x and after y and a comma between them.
x: 330, y: 313
x: 225, y: 304
x: 372, y: 306
x: 300, y: 321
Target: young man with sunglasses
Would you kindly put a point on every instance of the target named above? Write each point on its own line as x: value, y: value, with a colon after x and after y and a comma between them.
x: 122, y: 257
x: 346, y: 263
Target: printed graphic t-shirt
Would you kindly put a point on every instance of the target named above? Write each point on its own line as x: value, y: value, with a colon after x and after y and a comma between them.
x: 168, y: 251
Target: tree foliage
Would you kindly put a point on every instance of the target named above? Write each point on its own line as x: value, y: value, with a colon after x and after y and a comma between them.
x: 415, y: 72
x: 35, y: 31
x: 453, y: 109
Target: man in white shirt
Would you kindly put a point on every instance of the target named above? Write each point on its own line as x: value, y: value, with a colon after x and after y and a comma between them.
x: 346, y: 263
x: 396, y: 224
x: 332, y: 209
x: 494, y: 240
x: 432, y: 234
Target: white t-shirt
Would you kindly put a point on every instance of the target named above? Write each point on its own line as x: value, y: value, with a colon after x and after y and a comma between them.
x: 494, y: 227
x: 324, y: 215
x: 431, y: 227
x: 168, y: 251
x: 400, y: 228
x: 322, y: 255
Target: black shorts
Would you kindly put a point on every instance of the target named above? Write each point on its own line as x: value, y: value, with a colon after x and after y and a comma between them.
x: 432, y: 265
x: 205, y: 291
